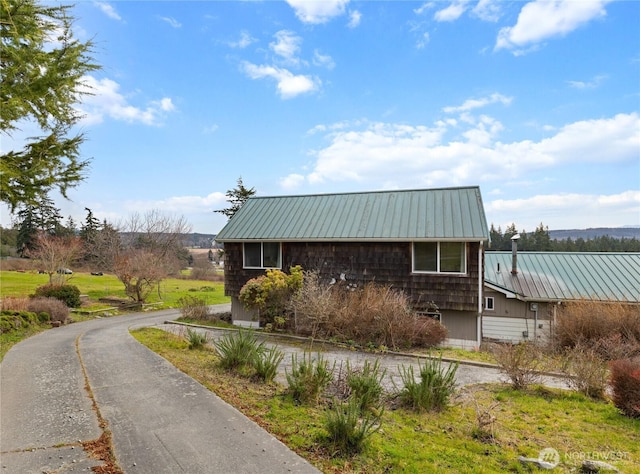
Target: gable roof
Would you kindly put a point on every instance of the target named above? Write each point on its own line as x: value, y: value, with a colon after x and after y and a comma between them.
x: 561, y: 276
x: 422, y: 214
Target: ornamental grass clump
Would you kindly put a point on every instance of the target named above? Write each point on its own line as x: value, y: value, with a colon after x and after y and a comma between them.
x: 196, y: 339
x: 238, y: 350
x: 349, y: 428
x: 366, y: 384
x: 433, y: 390
x: 266, y: 364
x: 309, y: 377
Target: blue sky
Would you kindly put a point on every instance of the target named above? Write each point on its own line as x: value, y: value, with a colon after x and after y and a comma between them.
x: 538, y: 103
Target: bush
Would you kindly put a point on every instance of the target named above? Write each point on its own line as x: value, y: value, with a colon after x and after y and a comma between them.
x: 348, y: 432
x: 625, y: 384
x: 611, y: 328
x: 270, y: 294
x: 266, y: 363
x: 519, y: 362
x: 309, y: 377
x: 196, y: 339
x: 11, y: 320
x: 366, y: 384
x: 193, y: 307
x: 69, y: 294
x: 54, y: 308
x: 371, y: 315
x: 238, y: 350
x: 586, y: 371
x: 433, y: 390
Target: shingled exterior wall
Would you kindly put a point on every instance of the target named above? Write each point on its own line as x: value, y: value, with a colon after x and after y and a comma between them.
x: 387, y: 263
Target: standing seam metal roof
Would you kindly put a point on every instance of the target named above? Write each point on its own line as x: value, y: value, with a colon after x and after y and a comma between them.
x: 427, y: 214
x: 557, y: 276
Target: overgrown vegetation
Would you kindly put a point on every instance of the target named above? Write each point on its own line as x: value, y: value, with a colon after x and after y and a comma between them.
x: 520, y: 362
x: 372, y: 315
x: 308, y: 377
x: 431, y: 392
x: 438, y: 441
x: 625, y: 383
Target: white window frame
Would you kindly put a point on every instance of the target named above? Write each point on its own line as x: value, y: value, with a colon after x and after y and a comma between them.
x: 489, y: 303
x: 438, y: 270
x: 262, y: 265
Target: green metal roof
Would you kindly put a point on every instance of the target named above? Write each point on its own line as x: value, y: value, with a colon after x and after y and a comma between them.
x: 422, y: 214
x: 561, y: 276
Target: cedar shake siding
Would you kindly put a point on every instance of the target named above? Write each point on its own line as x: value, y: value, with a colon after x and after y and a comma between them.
x: 386, y: 263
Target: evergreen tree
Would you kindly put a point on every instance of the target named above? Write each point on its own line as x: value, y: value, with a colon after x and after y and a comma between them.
x: 236, y: 197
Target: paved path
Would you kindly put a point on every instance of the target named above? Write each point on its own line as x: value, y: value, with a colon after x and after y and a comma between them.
x: 161, y: 420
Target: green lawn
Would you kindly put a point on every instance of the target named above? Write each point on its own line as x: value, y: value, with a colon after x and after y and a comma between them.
x: 13, y: 283
x: 526, y: 422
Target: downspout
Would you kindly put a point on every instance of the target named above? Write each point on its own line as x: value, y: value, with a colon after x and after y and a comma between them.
x: 480, y: 294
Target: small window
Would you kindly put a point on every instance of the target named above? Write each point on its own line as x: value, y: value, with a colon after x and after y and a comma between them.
x: 439, y: 257
x: 488, y: 303
x: 262, y: 255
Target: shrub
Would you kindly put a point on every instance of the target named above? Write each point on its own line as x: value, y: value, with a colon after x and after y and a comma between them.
x: 266, y: 363
x: 69, y: 294
x: 270, y: 294
x: 237, y: 350
x: 11, y: 320
x: 53, y: 307
x: 12, y: 303
x: 625, y: 384
x: 196, y: 339
x: 608, y: 327
x: 519, y: 362
x: 193, y: 307
x: 348, y: 428
x: 368, y: 315
x: 309, y: 377
x: 586, y: 371
x: 366, y: 384
x: 433, y: 390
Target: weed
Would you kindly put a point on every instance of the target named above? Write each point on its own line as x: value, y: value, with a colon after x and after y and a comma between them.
x: 348, y: 428
x: 266, y: 363
x: 196, y: 339
x: 309, y: 377
x: 434, y: 388
x: 366, y: 384
x: 586, y: 371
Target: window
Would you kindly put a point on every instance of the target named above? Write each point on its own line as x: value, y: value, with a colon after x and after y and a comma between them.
x: 439, y: 257
x: 488, y: 303
x: 262, y: 255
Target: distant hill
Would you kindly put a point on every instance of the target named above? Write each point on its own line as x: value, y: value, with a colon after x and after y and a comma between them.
x: 586, y: 234
x: 203, y: 241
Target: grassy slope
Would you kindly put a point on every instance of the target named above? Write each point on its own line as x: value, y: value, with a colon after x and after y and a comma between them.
x: 171, y: 290
x: 526, y: 423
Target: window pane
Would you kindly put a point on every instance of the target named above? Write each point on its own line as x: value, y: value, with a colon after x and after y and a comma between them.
x: 271, y: 254
x: 425, y: 256
x: 452, y: 257
x: 252, y: 255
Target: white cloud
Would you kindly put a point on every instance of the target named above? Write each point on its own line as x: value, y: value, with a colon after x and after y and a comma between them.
x: 487, y: 10
x: 452, y: 12
x: 592, y: 84
x: 105, y: 100
x: 289, y: 85
x: 566, y: 210
x: 318, y: 11
x: 292, y: 181
x: 179, y: 204
x: 471, y: 104
x: 543, y: 19
x: 423, y: 8
x: 423, y: 40
x: 245, y: 40
x: 287, y: 46
x: 108, y: 10
x: 171, y: 22
x: 323, y: 60
x: 354, y: 19
x: 407, y: 155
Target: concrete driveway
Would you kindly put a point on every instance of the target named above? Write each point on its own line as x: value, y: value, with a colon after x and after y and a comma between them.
x: 69, y: 386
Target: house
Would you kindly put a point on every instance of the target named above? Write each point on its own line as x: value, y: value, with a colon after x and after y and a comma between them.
x: 524, y: 289
x: 428, y: 243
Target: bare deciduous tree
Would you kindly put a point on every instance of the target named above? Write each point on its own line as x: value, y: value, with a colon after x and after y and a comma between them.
x: 55, y: 254
x: 150, y: 247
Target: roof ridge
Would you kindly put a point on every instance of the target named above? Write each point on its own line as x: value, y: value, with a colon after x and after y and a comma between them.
x: 380, y: 191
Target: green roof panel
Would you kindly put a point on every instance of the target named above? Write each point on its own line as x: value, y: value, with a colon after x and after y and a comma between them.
x: 422, y: 214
